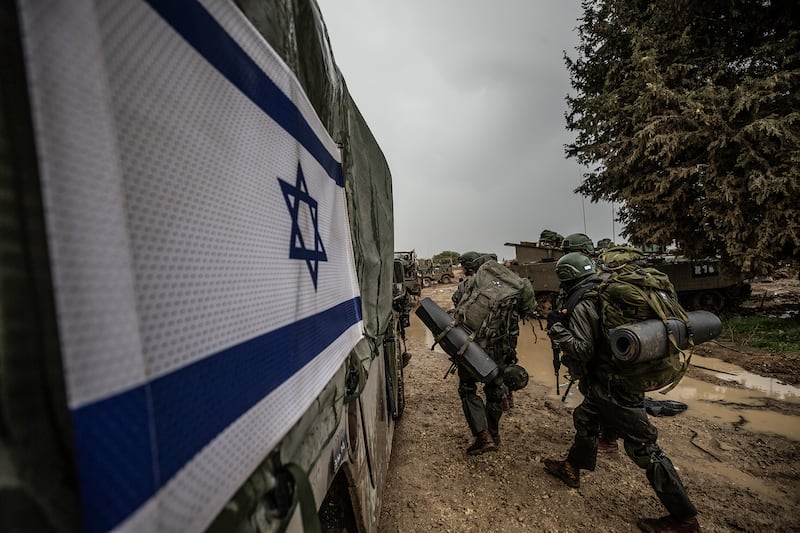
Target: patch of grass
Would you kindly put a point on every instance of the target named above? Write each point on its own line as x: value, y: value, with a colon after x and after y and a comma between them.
x: 772, y: 334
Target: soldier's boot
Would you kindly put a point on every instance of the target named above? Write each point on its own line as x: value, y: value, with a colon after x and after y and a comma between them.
x: 483, y: 443
x: 496, y: 439
x: 667, y: 524
x: 565, y: 471
x: 607, y: 446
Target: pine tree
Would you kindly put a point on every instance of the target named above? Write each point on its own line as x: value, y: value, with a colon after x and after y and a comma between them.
x: 688, y: 115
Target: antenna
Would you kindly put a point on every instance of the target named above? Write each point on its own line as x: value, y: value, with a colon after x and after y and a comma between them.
x: 583, y: 203
x: 583, y: 206
x: 613, y: 226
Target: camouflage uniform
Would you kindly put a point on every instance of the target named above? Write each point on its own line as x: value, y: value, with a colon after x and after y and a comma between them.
x: 587, y: 355
x: 607, y: 434
x: 503, y: 350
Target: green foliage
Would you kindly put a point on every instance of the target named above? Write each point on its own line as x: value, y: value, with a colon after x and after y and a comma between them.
x: 773, y: 334
x: 688, y: 115
x: 447, y: 257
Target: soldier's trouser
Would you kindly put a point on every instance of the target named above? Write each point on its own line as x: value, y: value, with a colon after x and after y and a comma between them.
x: 607, y: 433
x: 624, y: 413
x: 480, y: 417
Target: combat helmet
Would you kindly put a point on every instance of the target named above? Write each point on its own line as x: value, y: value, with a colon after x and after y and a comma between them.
x: 573, y: 267
x: 618, y: 256
x: 467, y: 260
x: 577, y: 242
x: 515, y: 377
x: 472, y: 260
x: 483, y: 259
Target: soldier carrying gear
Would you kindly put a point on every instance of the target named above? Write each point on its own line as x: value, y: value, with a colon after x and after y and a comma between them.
x: 471, y: 261
x: 575, y: 266
x: 579, y: 334
x: 490, y: 306
x: 572, y: 268
x: 604, y: 244
x: 577, y: 242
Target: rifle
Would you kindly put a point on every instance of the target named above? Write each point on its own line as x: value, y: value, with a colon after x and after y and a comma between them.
x: 556, y: 351
x: 556, y: 362
x: 566, y: 392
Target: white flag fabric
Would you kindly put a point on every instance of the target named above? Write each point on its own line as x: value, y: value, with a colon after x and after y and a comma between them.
x: 203, y: 270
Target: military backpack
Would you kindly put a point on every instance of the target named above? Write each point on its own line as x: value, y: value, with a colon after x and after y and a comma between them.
x: 633, y: 293
x: 485, y: 308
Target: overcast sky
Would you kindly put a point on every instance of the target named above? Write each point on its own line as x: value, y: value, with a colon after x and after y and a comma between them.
x: 467, y: 99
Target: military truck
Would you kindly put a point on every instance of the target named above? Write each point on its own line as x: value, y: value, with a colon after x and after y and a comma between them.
x: 701, y: 284
x: 199, y: 328
x: 412, y: 276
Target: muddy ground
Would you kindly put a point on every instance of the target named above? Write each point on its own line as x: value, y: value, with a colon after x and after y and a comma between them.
x: 739, y: 479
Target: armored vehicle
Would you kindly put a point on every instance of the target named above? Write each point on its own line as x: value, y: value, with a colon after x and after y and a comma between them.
x: 537, y: 262
x: 701, y: 284
x: 704, y: 284
x: 198, y: 324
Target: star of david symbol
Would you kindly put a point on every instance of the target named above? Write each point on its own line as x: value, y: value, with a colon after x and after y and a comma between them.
x: 296, y: 195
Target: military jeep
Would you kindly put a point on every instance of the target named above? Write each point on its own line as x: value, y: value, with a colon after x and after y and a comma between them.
x: 441, y: 273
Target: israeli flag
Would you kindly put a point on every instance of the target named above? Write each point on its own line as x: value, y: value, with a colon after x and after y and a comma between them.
x: 203, y: 270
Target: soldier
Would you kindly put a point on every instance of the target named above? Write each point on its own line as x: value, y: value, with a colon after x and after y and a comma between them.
x: 578, y: 334
x: 468, y: 261
x: 604, y: 244
x: 580, y: 242
x: 499, y: 342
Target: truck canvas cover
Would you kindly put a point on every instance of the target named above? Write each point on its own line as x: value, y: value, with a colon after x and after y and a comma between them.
x: 203, y: 270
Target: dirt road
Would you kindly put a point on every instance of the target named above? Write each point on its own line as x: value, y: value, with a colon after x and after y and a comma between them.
x: 740, y: 479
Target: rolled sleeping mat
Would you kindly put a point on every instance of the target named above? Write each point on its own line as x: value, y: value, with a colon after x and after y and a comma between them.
x: 648, y: 340
x: 474, y: 358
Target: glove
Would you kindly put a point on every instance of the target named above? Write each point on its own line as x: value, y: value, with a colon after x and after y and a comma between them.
x: 555, y: 317
x: 577, y: 368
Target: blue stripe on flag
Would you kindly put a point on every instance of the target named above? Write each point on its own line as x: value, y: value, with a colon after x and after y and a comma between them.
x: 199, y: 29
x: 131, y: 444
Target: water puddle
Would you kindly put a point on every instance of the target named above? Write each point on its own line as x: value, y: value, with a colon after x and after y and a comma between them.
x: 772, y: 387
x: 742, y: 403
x: 418, y: 331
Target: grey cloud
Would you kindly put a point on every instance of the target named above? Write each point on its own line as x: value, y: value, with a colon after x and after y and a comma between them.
x: 466, y: 99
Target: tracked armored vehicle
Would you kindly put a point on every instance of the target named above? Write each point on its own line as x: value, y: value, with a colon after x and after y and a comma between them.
x: 537, y: 262
x: 701, y: 284
x: 704, y: 284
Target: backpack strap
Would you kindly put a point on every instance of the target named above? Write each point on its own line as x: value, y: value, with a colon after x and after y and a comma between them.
x: 578, y: 294
x: 443, y: 334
